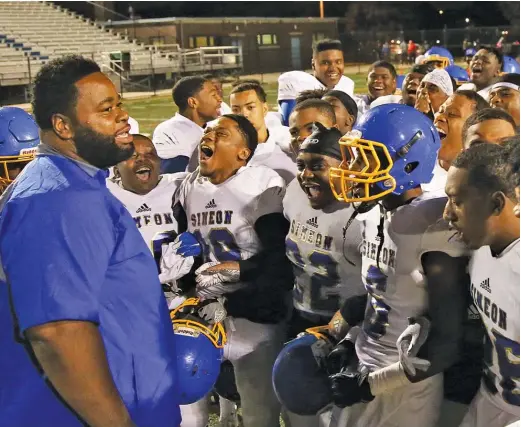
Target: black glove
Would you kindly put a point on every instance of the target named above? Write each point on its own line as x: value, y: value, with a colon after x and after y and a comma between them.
x: 340, y: 357
x: 350, y: 387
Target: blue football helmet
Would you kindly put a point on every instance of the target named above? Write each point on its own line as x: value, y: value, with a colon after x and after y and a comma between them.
x: 470, y: 52
x: 393, y: 149
x: 300, y: 379
x: 458, y: 73
x: 199, y: 347
x: 19, y: 138
x: 510, y: 65
x: 441, y: 56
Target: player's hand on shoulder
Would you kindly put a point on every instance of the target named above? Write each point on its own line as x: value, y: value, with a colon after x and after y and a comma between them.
x: 187, y: 245
x: 350, y: 387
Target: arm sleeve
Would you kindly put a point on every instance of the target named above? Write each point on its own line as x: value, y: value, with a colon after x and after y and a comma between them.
x: 272, y: 230
x: 353, y: 309
x: 447, y: 284
x: 286, y: 106
x: 55, y: 250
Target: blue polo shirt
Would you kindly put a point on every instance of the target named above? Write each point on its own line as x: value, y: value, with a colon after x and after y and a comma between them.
x: 69, y: 250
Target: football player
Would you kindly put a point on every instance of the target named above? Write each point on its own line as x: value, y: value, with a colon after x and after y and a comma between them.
x: 381, y: 81
x: 410, y: 270
x: 435, y: 88
x: 235, y: 224
x: 485, y: 70
x: 346, y: 111
x: 19, y: 138
x: 146, y: 194
x: 480, y: 207
x: 328, y: 73
x: 505, y: 95
x: 176, y: 139
x: 249, y: 100
x: 326, y: 261
x: 449, y: 121
x: 488, y: 125
x: 304, y: 115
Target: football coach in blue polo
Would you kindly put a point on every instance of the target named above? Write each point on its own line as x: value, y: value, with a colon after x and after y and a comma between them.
x: 85, y: 333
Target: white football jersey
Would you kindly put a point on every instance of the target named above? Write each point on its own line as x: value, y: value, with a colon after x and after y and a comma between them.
x: 495, y: 291
x: 324, y: 278
x: 397, y: 289
x: 294, y: 82
x: 269, y: 154
x: 152, y: 212
x: 177, y: 136
x: 224, y: 215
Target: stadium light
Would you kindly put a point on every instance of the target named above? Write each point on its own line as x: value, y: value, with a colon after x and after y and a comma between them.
x: 467, y: 20
x: 440, y: 12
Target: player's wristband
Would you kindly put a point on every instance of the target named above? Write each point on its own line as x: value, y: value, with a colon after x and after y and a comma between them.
x: 387, y: 379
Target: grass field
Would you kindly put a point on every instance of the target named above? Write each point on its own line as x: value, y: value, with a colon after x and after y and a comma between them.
x: 151, y: 111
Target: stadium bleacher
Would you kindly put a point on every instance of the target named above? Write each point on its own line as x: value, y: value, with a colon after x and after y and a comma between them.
x: 41, y: 31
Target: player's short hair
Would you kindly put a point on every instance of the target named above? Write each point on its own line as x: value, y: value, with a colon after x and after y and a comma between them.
x: 487, y: 169
x: 247, y: 130
x: 383, y: 64
x: 240, y: 82
x: 186, y: 88
x: 511, y: 145
x: 510, y: 78
x: 327, y: 44
x: 319, y: 104
x: 55, y: 90
x: 251, y: 85
x: 495, y: 51
x: 479, y: 102
x: 484, y: 115
x: 310, y: 94
x: 422, y: 68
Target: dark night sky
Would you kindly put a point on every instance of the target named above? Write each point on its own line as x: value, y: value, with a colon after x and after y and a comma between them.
x: 420, y: 14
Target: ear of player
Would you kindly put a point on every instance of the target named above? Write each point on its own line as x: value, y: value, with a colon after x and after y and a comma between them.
x: 391, y: 149
x: 199, y: 343
x: 19, y: 138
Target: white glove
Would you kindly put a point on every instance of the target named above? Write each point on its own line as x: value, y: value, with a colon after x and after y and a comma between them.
x: 214, y: 284
x: 173, y: 266
x: 410, y: 342
x: 212, y: 311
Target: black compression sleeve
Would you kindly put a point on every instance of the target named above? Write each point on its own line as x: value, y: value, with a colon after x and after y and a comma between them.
x: 271, y: 260
x: 353, y: 309
x: 447, y: 284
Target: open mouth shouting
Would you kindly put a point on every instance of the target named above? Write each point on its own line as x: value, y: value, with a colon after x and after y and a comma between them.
x: 441, y: 132
x: 123, y: 136
x: 206, y: 153
x: 312, y: 190
x: 143, y: 173
x: 476, y: 71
